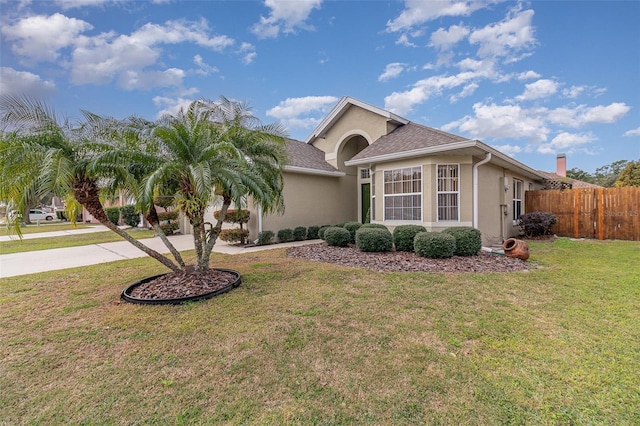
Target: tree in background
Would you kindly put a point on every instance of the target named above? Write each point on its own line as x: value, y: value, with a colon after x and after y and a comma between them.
x: 580, y: 175
x: 630, y: 175
x: 605, y: 176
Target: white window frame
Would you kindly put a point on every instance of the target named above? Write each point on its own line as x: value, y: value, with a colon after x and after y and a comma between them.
x: 518, y: 198
x: 402, y: 183
x: 455, y: 192
x: 373, y: 198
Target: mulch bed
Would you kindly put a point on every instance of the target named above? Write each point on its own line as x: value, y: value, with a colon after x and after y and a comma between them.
x: 407, y: 262
x: 184, y: 284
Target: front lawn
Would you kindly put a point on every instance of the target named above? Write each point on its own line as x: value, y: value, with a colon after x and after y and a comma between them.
x: 303, y: 342
x: 71, y: 240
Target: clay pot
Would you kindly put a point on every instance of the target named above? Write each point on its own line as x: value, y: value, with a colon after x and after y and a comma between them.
x: 516, y: 248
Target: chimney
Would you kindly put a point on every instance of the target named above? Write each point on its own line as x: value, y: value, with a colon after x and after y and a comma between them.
x: 561, y: 165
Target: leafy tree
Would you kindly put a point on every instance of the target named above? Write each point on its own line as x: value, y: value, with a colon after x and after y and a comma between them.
x: 39, y: 154
x: 630, y: 175
x: 581, y: 175
x: 608, y: 175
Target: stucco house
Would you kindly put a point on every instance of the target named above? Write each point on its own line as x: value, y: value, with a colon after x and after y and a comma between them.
x: 362, y: 158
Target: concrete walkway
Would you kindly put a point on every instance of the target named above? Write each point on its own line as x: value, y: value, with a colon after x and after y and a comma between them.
x: 71, y: 257
x: 87, y: 230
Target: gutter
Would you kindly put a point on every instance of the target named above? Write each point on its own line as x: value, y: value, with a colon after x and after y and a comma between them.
x: 413, y: 153
x: 475, y: 188
x: 307, y: 171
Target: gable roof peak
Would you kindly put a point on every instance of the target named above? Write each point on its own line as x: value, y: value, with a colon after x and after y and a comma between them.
x: 341, y: 107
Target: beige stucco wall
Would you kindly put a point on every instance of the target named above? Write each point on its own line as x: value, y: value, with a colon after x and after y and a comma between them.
x: 311, y: 200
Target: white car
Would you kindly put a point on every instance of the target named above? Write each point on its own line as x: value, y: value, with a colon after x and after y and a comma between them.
x: 37, y: 214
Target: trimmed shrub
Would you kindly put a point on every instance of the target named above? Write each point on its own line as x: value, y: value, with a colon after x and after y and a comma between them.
x: 322, y: 229
x: 233, y: 216
x: 169, y: 228
x: 468, y: 240
x: 352, y: 227
x: 168, y: 215
x: 265, y: 237
x: 435, y: 245
x: 235, y: 235
x: 299, y: 233
x: 129, y: 216
x: 113, y: 214
x: 335, y: 236
x: 403, y: 236
x: 340, y: 225
x: 285, y: 235
x: 312, y: 232
x: 373, y: 225
x: 374, y: 239
x: 536, y: 223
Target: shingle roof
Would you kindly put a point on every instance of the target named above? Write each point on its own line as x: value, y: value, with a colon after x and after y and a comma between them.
x: 574, y: 182
x: 409, y: 137
x: 303, y: 155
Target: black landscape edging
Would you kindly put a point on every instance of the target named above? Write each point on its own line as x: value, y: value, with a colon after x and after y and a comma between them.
x: 126, y: 293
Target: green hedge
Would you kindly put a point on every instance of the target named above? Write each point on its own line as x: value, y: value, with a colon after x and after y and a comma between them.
x: 468, y: 240
x: 352, y: 227
x: 285, y: 235
x: 403, y: 236
x: 169, y: 228
x: 335, y: 236
x: 312, y: 232
x: 129, y: 216
x: 265, y: 237
x: 322, y: 230
x: 113, y: 214
x: 236, y: 235
x: 435, y: 245
x: 373, y: 225
x: 299, y: 233
x: 168, y: 215
x: 374, y: 239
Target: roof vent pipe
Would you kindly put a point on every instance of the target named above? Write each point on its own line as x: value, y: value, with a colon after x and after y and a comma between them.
x: 475, y: 188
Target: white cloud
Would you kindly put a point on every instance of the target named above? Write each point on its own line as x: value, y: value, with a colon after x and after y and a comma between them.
x: 203, y: 68
x: 404, y: 41
x: 100, y: 59
x: 507, y: 37
x: 248, y: 53
x: 392, y: 71
x: 417, y: 12
x: 510, y: 150
x: 566, y: 142
x: 605, y: 114
x: 633, y: 132
x: 467, y: 90
x: 145, y: 80
x: 40, y: 37
x: 528, y: 75
x: 539, y: 89
x: 573, y: 91
x: 171, y: 106
x: 294, y: 112
x: 445, y: 39
x: 13, y: 82
x: 70, y: 4
x: 285, y: 16
x: 502, y: 122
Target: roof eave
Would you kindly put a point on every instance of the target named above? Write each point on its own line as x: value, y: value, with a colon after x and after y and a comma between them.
x: 340, y: 109
x: 317, y: 172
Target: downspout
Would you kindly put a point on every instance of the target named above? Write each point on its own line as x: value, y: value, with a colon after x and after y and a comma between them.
x: 475, y: 188
x: 259, y: 218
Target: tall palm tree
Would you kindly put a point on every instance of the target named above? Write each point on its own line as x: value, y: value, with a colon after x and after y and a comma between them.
x: 38, y: 155
x: 217, y: 149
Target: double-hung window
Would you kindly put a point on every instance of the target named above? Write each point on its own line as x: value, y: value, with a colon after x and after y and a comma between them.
x: 448, y: 192
x: 518, y: 196
x: 403, y: 194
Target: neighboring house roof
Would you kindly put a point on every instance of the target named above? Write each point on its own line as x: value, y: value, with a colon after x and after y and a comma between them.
x: 341, y: 107
x: 414, y: 140
x: 574, y: 182
x: 305, y: 158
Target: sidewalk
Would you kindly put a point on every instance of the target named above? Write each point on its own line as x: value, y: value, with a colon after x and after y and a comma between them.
x: 71, y: 257
x: 88, y: 230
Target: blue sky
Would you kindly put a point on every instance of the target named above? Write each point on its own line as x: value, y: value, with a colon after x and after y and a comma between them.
x: 532, y: 79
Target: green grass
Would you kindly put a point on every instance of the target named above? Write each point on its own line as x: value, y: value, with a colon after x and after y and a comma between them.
x: 44, y: 227
x: 19, y: 246
x: 310, y: 343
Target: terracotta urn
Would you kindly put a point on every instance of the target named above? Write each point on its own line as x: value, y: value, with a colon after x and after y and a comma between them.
x: 516, y: 248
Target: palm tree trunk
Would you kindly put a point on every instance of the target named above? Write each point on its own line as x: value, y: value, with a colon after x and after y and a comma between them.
x: 152, y: 218
x: 86, y: 192
x: 212, y: 236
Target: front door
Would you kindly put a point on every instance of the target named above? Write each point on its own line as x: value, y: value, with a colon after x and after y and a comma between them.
x: 365, y: 200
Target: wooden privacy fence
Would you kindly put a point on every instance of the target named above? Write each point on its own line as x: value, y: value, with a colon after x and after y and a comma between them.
x: 602, y: 213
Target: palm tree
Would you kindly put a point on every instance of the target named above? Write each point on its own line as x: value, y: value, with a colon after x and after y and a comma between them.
x: 216, y: 150
x: 39, y: 155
